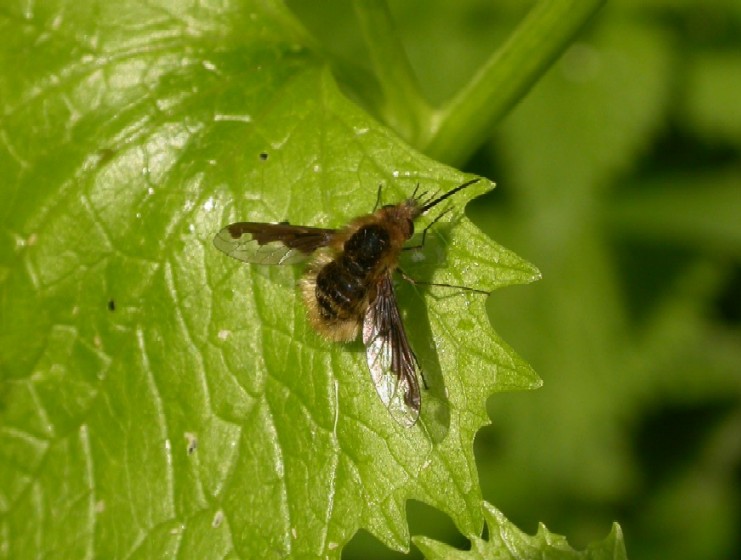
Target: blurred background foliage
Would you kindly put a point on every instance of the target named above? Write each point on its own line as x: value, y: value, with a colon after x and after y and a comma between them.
x: 619, y: 176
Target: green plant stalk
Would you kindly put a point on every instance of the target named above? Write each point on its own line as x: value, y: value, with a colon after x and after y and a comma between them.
x: 466, y: 121
x: 404, y: 107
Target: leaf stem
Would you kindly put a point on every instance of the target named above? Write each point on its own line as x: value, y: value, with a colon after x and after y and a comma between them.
x: 404, y: 107
x: 466, y: 121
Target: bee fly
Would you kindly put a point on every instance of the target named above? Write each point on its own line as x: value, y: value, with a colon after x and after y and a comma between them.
x: 347, y: 286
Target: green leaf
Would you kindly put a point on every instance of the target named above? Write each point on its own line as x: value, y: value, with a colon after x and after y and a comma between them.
x: 697, y: 210
x: 713, y: 85
x: 563, y: 147
x: 161, y: 399
x: 594, y: 112
x: 506, y: 541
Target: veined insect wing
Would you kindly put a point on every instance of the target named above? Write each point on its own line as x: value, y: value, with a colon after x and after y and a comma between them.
x: 263, y: 243
x: 391, y: 361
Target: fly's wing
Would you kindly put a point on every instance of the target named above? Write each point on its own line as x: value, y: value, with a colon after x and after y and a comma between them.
x: 258, y: 243
x: 392, y: 364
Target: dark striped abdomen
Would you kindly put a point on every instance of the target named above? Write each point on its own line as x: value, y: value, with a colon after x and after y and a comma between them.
x: 339, y: 293
x: 342, y: 286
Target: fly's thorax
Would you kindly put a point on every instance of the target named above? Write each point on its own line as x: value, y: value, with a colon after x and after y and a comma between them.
x: 365, y: 249
x: 399, y: 219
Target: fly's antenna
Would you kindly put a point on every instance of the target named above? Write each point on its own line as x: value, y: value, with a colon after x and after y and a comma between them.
x: 429, y: 205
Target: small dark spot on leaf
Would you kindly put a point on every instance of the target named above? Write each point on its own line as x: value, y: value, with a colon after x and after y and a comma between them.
x: 104, y: 155
x: 111, y: 304
x: 264, y: 156
x: 218, y: 519
x: 192, y: 442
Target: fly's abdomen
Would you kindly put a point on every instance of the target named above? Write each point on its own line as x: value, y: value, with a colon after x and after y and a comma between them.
x: 340, y: 294
x: 342, y: 285
x: 338, y: 290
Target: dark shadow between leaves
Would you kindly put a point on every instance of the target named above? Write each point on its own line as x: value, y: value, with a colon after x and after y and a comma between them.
x: 422, y: 519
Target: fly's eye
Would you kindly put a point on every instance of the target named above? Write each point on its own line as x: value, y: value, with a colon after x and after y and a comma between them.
x: 410, y: 223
